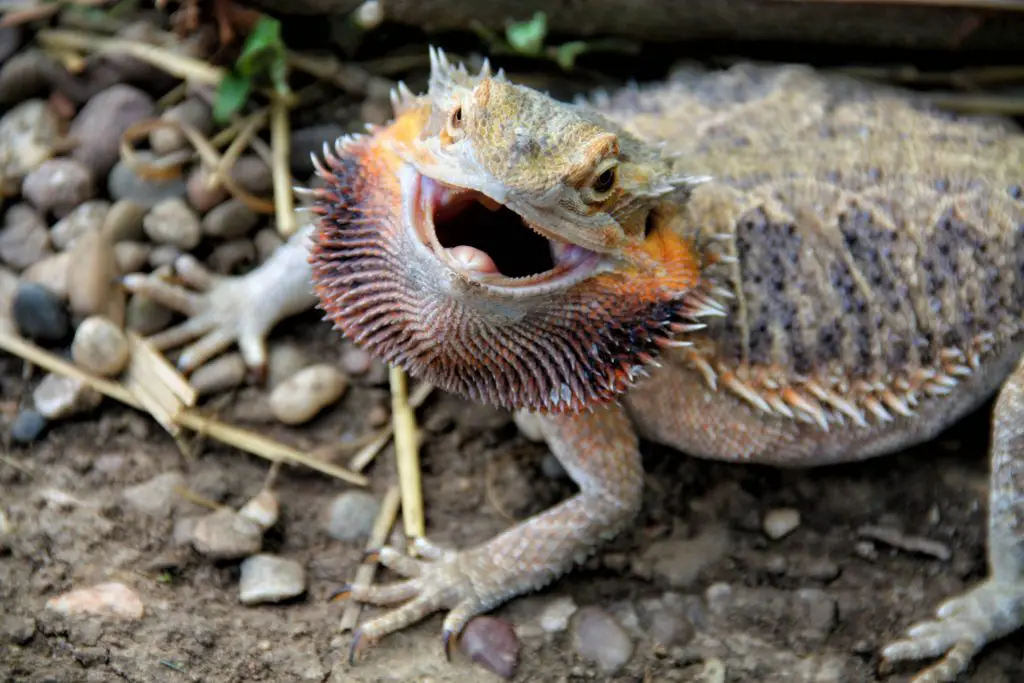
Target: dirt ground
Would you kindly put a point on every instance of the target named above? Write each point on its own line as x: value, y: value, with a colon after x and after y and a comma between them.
x: 813, y: 606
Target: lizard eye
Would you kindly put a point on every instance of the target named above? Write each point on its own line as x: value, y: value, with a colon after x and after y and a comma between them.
x: 457, y: 117
x: 604, y: 182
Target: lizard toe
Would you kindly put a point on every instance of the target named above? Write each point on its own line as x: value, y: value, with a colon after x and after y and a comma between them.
x: 964, y: 625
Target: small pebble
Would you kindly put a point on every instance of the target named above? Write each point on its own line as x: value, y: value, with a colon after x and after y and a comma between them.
x: 224, y: 535
x: 28, y: 136
x: 39, y: 314
x: 556, y: 616
x: 351, y: 515
x: 98, y: 126
x: 124, y: 184
x: 156, y: 497
x: 58, y: 397
x: 17, y: 630
x: 230, y: 257
x: 253, y: 174
x: 24, y: 239
x: 105, y: 599
x: 598, y: 638
x: 356, y: 361
x: 299, y: 398
x: 131, y: 256
x: 28, y: 426
x: 283, y: 361
x: 780, y: 522
x: 491, y: 643
x: 11, y: 38
x: 262, y: 509
x: 163, y: 255
x: 83, y: 219
x: 145, y: 317
x: 679, y: 562
x: 267, y: 241
x: 229, y: 220
x: 173, y: 222
x: 58, y: 185
x: 124, y: 221
x: 223, y: 373
x: 268, y: 578
x: 92, y: 279
x: 193, y: 112
x: 100, y: 346
x: 27, y: 74
x: 51, y: 273
x: 200, y: 195
x: 310, y: 140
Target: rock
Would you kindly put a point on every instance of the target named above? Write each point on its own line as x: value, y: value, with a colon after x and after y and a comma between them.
x: 223, y: 373
x: 229, y: 220
x: 100, y: 346
x: 780, y: 522
x: 156, y: 497
x: 253, y: 174
x: 124, y: 183
x: 310, y: 140
x: 28, y: 137
x: 666, y: 620
x: 679, y: 562
x: 145, y: 317
x: 299, y: 398
x: 356, y: 361
x: 92, y: 279
x: 268, y: 578
x: 86, y: 218
x: 58, y: 185
x: 200, y: 194
x: 192, y: 112
x: 224, y: 535
x: 124, y: 221
x: 24, y: 239
x: 267, y: 241
x: 350, y: 516
x: 105, y: 600
x: 26, y: 75
x: 263, y: 509
x: 131, y: 256
x: 491, y: 643
x: 39, y: 314
x: 164, y: 256
x: 173, y: 222
x: 283, y: 361
x: 98, y: 126
x: 10, y: 41
x: 59, y: 397
x: 598, y: 638
x: 51, y: 273
x: 556, y: 616
x: 227, y: 257
x: 28, y: 426
x: 17, y: 630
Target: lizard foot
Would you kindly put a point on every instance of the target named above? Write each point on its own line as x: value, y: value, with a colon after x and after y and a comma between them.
x: 220, y: 310
x: 442, y: 579
x: 964, y: 625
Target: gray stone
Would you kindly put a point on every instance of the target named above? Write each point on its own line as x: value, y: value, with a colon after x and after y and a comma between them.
x: 351, y: 515
x: 269, y: 578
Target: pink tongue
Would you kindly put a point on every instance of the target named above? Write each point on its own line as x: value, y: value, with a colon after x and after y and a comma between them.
x: 472, y: 258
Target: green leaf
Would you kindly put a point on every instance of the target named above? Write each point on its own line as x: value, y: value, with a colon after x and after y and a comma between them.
x: 566, y: 53
x: 527, y: 37
x: 262, y: 47
x: 232, y: 94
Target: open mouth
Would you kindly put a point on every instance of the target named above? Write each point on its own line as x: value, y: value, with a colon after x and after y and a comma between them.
x: 486, y: 241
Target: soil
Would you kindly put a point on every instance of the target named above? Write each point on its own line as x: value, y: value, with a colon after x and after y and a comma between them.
x: 73, y: 529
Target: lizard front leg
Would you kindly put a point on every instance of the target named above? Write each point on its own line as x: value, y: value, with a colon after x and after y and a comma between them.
x: 600, y: 451
x: 223, y: 310
x: 995, y: 607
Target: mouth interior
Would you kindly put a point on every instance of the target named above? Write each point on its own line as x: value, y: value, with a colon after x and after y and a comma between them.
x: 491, y: 237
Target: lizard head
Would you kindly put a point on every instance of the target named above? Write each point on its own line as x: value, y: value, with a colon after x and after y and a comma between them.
x: 432, y: 263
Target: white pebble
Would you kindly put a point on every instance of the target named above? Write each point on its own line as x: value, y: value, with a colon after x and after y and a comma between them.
x: 268, y: 578
x: 555, y: 617
x: 173, y: 222
x: 58, y: 397
x: 299, y: 398
x: 105, y: 599
x: 225, y: 535
x: 100, y: 346
x: 262, y: 509
x: 780, y: 522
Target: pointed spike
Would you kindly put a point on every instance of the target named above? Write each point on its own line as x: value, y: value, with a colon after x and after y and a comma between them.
x: 303, y: 191
x: 733, y: 384
x: 876, y: 408
x: 485, y: 69
x: 500, y: 75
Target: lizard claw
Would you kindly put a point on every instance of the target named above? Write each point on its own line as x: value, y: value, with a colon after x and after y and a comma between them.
x: 964, y: 625
x: 442, y: 580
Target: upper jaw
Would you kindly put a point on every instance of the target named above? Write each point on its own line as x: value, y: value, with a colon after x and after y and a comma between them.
x: 488, y: 244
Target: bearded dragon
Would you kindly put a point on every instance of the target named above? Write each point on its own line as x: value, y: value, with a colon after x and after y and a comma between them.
x: 764, y: 264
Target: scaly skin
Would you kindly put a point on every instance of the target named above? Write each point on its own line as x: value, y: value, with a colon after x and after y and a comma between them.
x: 848, y: 283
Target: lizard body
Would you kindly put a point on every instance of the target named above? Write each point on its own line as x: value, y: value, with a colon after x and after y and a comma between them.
x: 848, y: 283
